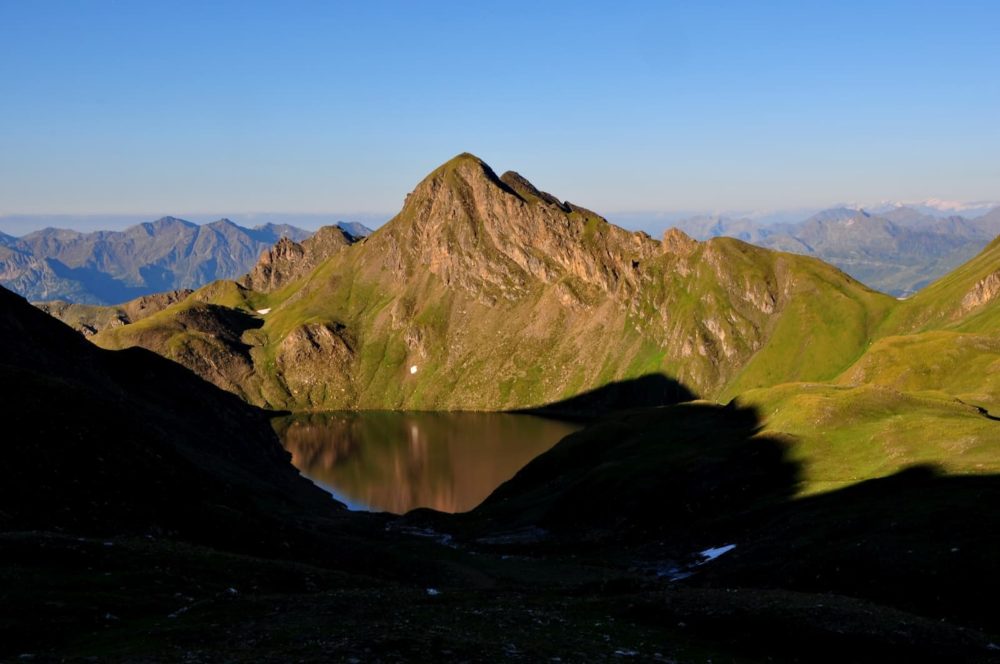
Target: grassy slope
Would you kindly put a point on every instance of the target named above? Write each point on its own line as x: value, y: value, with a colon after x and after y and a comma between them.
x: 930, y: 343
x: 828, y: 327
x: 844, y: 435
x: 539, y: 349
x: 938, y: 306
x: 917, y: 395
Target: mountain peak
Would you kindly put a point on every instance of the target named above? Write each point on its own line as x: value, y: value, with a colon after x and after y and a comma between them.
x: 464, y: 158
x: 223, y: 223
x: 464, y: 182
x: 169, y: 221
x: 500, y: 237
x: 465, y: 167
x: 676, y: 241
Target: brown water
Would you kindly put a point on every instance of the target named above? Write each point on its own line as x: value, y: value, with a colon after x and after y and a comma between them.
x: 397, y: 461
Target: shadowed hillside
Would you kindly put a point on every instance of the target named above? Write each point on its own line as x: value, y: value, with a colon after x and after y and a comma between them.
x: 643, y: 392
x: 591, y: 550
x: 147, y: 443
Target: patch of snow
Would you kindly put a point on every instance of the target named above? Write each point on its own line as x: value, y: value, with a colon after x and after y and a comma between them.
x: 713, y: 553
x: 441, y: 538
x: 264, y: 311
x: 675, y: 571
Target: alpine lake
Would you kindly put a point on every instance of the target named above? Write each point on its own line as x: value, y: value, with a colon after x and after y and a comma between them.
x: 394, y: 461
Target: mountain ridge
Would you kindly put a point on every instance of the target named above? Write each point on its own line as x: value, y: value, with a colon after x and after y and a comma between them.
x: 468, y: 258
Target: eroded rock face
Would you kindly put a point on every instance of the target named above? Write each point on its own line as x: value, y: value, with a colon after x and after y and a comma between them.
x: 315, y: 364
x: 985, y: 290
x: 497, y: 238
x: 288, y: 260
x: 676, y: 241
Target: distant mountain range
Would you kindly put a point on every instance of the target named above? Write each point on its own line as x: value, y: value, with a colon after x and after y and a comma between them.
x: 893, y: 247
x: 110, y: 267
x: 897, y: 250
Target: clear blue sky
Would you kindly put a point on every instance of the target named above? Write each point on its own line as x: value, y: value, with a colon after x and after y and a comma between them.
x: 228, y: 107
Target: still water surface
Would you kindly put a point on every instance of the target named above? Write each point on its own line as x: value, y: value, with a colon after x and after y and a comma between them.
x: 397, y: 461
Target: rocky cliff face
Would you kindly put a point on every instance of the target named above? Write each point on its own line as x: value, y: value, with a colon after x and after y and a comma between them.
x: 485, y: 292
x: 985, y: 291
x: 499, y: 237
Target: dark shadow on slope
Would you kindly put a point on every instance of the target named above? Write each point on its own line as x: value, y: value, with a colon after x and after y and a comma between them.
x: 218, y: 321
x: 103, y: 288
x: 157, y: 278
x: 876, y: 565
x: 639, y: 475
x: 900, y: 566
x: 648, y: 391
x: 918, y: 539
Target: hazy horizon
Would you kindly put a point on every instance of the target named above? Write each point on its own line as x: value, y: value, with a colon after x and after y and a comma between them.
x: 644, y: 220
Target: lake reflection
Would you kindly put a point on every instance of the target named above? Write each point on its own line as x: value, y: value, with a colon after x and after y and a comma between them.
x: 395, y: 462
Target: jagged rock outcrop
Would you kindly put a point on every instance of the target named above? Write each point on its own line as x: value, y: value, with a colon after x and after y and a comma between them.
x: 314, y: 363
x: 676, y: 241
x: 288, y: 260
x: 985, y: 290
